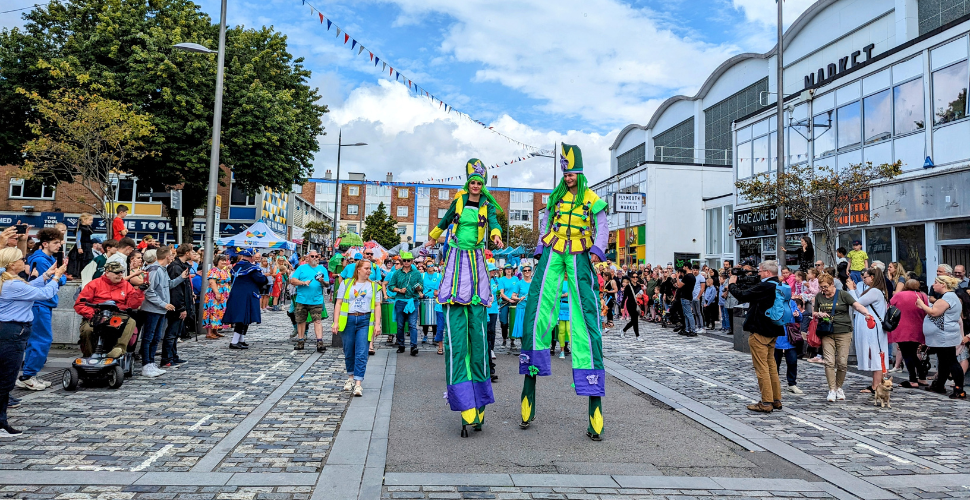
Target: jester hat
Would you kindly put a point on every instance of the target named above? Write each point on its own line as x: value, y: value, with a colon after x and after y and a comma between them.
x: 571, y: 159
x: 475, y: 168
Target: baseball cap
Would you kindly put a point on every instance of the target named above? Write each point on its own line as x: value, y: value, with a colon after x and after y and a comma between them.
x: 114, y: 267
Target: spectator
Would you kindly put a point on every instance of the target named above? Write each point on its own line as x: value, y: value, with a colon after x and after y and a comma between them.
x: 308, y: 303
x: 17, y: 299
x: 895, y: 278
x: 908, y: 334
x: 83, y: 251
x: 610, y: 288
x: 111, y: 286
x: 41, y: 261
x: 180, y: 297
x: 858, y: 261
x: 122, y: 250
x: 941, y: 329
x: 14, y: 239
x: 722, y: 301
x: 805, y: 254
x: 118, y: 228
x: 432, y: 282
x: 941, y: 270
x: 808, y: 293
x: 871, y: 344
x: 358, y: 319
x: 784, y: 348
x: 155, y: 307
x: 835, y: 331
x: 710, y: 304
x: 630, y: 306
x: 408, y: 286
x: 269, y: 271
x: 960, y: 273
x: 700, y: 285
x: 763, y: 333
x: 841, y: 265
x: 216, y: 296
x: 685, y: 286
x: 110, y: 247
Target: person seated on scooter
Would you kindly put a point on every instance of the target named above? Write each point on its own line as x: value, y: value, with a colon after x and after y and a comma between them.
x: 111, y: 286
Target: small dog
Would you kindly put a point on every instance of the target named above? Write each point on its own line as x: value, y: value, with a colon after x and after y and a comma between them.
x: 882, y: 392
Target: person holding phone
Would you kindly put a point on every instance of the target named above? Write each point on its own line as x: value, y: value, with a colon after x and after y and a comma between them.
x: 41, y: 261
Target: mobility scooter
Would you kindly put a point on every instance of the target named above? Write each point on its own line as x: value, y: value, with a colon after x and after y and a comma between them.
x: 108, y: 323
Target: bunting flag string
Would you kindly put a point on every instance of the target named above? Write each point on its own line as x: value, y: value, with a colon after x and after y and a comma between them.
x: 413, y: 86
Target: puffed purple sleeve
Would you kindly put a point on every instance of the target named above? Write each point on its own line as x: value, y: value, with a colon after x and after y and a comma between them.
x: 602, y: 236
x: 543, y: 229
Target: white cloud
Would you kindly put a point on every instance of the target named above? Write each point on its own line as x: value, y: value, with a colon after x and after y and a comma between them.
x: 416, y: 141
x: 765, y: 12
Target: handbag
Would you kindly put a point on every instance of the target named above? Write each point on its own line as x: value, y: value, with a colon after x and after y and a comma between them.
x: 828, y: 327
x: 812, y: 337
x: 888, y: 326
x: 794, y: 332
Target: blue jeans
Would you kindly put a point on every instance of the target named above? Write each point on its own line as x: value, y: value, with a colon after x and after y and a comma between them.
x: 412, y: 319
x: 13, y: 342
x: 440, y: 332
x: 855, y: 276
x: 791, y: 360
x: 170, y: 351
x: 354, y: 336
x: 492, y: 319
x: 685, y: 304
x: 725, y: 319
x: 151, y: 334
x: 39, y: 343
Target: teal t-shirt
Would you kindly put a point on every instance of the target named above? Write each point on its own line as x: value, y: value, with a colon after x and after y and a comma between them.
x: 494, y: 283
x: 508, y: 285
x: 312, y: 293
x: 348, y: 272
x: 522, y: 288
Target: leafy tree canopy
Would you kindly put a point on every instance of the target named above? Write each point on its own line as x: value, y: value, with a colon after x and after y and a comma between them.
x: 381, y: 227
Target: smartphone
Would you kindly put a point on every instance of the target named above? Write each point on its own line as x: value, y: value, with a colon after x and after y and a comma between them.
x: 21, y: 228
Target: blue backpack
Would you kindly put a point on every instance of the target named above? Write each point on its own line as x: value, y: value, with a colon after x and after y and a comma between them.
x: 780, y: 312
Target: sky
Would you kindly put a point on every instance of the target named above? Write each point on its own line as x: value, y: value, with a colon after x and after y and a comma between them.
x: 537, y: 71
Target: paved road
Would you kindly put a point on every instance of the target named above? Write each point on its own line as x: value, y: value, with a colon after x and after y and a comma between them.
x: 644, y: 437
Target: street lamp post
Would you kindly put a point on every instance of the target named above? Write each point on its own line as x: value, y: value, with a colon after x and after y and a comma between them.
x: 336, y: 197
x: 209, y: 240
x: 780, y: 136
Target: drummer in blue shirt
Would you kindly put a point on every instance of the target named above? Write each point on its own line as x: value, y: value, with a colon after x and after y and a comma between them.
x: 493, y: 310
x: 508, y: 285
x: 375, y: 270
x: 432, y: 281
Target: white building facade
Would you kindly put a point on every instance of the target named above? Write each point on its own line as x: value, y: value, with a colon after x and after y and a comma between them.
x: 888, y: 82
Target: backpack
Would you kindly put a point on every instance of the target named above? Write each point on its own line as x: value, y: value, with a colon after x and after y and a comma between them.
x: 780, y: 312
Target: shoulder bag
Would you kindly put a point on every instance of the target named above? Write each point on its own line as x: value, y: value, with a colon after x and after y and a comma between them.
x: 828, y: 327
x: 891, y: 321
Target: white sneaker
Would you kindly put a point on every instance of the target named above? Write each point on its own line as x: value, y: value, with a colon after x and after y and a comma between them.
x: 840, y: 394
x: 831, y: 397
x: 157, y: 370
x: 794, y: 389
x: 32, y: 383
x: 639, y: 339
x: 349, y: 385
x: 358, y: 391
x: 622, y: 334
x: 492, y: 354
x: 146, y: 371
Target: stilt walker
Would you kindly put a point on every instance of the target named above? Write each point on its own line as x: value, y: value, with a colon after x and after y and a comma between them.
x: 465, y: 294
x: 574, y: 234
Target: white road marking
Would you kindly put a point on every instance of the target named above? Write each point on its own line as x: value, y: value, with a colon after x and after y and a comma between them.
x: 649, y: 359
x: 261, y: 377
x: 155, y: 456
x: 277, y: 365
x: 676, y: 371
x: 705, y: 382
x: 806, y: 422
x: 200, y: 423
x: 880, y: 452
x: 234, y: 396
x: 97, y: 468
x: 745, y: 398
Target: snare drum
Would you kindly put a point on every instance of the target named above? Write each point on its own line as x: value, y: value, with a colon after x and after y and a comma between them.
x: 427, y: 315
x: 512, y: 318
x: 388, y: 325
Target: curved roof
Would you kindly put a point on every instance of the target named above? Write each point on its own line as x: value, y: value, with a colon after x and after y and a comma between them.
x: 792, y: 31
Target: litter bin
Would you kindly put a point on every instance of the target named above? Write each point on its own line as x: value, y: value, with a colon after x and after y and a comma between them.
x: 737, y: 327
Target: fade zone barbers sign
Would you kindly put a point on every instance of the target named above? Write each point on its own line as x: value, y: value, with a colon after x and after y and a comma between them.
x: 763, y: 221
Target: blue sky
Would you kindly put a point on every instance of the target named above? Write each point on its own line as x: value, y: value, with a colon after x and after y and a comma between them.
x: 537, y: 70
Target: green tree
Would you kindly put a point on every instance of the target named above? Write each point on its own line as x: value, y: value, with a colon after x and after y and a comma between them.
x: 84, y: 137
x: 381, y: 227
x: 818, y: 196
x: 271, y: 118
x: 523, y: 236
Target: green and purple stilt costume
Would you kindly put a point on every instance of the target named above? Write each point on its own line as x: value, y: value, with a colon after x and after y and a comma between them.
x: 576, y: 227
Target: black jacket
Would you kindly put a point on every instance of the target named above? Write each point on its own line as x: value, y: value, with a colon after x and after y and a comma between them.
x: 759, y: 298
x: 181, y: 294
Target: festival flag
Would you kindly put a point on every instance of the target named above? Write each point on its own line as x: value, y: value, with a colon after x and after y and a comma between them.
x: 328, y: 24
x: 346, y: 38
x: 321, y: 17
x: 352, y: 45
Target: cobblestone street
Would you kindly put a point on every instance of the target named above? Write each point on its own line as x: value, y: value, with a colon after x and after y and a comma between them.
x: 274, y: 423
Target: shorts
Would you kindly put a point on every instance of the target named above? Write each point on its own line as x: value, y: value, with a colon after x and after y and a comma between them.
x: 302, y: 312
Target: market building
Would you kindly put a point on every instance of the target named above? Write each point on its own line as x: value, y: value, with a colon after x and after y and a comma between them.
x: 864, y: 81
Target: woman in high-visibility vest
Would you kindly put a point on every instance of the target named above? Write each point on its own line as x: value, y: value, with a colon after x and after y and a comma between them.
x: 358, y: 317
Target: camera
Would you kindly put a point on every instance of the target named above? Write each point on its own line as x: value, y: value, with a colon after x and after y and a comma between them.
x: 746, y: 277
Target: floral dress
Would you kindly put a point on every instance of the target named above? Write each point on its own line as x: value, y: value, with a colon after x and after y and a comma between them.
x: 215, y: 309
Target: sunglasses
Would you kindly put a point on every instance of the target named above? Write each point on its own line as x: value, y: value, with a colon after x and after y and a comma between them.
x: 406, y: 260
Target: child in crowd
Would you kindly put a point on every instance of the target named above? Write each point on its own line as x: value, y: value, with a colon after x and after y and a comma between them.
x: 785, y: 346
x: 858, y: 262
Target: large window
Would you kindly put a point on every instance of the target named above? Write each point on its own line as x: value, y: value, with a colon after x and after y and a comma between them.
x: 718, y: 119
x: 877, y: 110
x: 824, y: 132
x: 911, y: 249
x: 760, y: 156
x: 629, y: 160
x: 402, y: 193
x: 380, y: 191
x: 744, y: 160
x: 520, y: 215
x: 353, y: 190
x: 676, y: 144
x: 237, y: 197
x: 849, y: 119
x: 879, y: 245
x: 908, y: 113
x: 715, y: 230
x: 442, y: 212
x: 352, y: 209
x: 21, y: 188
x: 950, y: 93
x: 371, y: 208
x: 443, y: 194
x: 545, y: 199
x: 402, y: 211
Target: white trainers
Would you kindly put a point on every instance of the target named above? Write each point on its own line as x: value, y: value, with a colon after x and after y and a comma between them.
x: 157, y: 370
x: 349, y: 385
x: 358, y: 391
x: 840, y: 394
x: 794, y: 389
x: 146, y: 371
x: 492, y: 353
x: 32, y: 383
x: 639, y: 339
x: 831, y: 397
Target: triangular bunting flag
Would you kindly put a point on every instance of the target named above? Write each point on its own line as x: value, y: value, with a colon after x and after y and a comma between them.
x: 328, y: 24
x: 338, y: 32
x: 391, y: 72
x: 371, y: 55
x: 361, y: 49
x: 352, y: 45
x: 321, y: 18
x: 346, y: 38
x: 377, y: 60
x: 383, y: 67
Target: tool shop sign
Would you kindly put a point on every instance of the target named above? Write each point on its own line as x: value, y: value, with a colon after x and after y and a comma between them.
x: 763, y: 221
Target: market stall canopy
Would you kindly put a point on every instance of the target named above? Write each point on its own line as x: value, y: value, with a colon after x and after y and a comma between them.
x: 348, y: 240
x: 257, y: 235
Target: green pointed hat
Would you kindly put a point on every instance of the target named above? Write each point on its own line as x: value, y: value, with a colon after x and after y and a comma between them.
x: 475, y: 168
x: 571, y: 159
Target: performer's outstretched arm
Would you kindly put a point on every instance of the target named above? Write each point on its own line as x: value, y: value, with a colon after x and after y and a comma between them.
x: 445, y: 221
x: 543, y: 229
x: 602, y: 235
